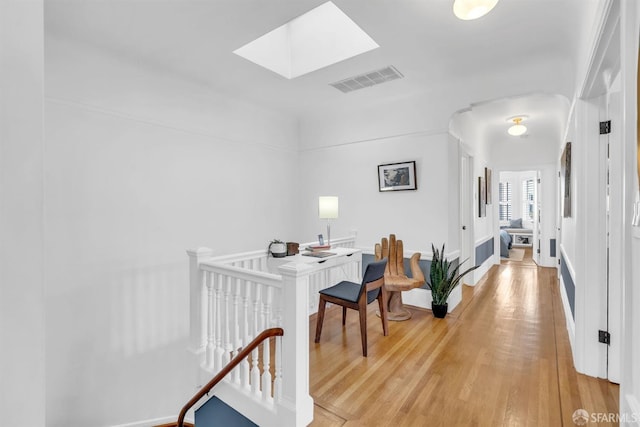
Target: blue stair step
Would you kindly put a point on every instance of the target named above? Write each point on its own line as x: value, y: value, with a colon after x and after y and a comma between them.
x: 217, y: 413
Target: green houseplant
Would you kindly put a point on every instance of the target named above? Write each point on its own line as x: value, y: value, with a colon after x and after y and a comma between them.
x: 443, y: 278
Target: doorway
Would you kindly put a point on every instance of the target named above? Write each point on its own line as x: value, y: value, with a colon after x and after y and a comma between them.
x: 519, y: 213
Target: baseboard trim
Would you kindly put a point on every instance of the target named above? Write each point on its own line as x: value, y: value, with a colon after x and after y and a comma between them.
x: 154, y: 422
x: 477, y: 275
x: 570, y: 324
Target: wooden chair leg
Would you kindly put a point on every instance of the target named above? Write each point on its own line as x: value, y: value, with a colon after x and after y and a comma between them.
x: 344, y: 315
x: 363, y: 325
x: 320, y: 318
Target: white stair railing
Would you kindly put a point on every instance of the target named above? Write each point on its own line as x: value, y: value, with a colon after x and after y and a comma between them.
x: 233, y: 299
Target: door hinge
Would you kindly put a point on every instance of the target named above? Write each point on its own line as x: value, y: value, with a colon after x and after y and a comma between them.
x: 605, y: 127
x: 604, y: 337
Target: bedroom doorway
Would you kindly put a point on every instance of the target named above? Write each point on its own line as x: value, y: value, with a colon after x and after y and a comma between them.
x: 519, y: 213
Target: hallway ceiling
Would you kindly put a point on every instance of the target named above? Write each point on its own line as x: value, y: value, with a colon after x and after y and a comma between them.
x: 521, y: 47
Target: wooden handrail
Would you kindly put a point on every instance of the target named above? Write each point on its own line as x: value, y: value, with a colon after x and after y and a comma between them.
x: 267, y: 333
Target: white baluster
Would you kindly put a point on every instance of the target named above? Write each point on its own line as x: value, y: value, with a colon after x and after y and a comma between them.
x: 266, y: 371
x: 266, y: 351
x: 206, y: 310
x: 255, y: 369
x: 277, y: 382
x: 236, y: 326
x: 218, y: 322
x: 210, y: 321
x: 227, y: 323
x: 244, y: 366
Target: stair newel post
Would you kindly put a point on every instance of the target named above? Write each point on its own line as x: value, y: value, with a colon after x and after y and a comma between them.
x: 197, y: 300
x: 295, y: 344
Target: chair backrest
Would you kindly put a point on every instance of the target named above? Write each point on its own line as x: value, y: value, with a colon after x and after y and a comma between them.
x: 374, y: 271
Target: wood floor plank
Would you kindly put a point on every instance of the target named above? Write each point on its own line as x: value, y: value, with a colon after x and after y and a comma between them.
x: 502, y: 357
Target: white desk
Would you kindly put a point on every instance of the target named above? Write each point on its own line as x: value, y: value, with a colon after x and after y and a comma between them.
x: 346, y: 264
x: 342, y: 256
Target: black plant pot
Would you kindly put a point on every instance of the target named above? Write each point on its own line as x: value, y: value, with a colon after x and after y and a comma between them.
x: 439, y: 311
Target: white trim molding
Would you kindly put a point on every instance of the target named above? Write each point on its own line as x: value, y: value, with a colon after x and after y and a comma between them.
x: 155, y: 422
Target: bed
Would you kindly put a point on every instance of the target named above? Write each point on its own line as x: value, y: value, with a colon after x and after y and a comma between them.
x: 519, y: 236
x: 505, y: 243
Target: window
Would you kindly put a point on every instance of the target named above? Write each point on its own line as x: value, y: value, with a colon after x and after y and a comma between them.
x: 505, y: 201
x: 527, y: 199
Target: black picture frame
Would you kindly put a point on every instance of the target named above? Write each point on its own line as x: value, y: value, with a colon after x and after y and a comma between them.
x: 482, y: 197
x: 397, y: 176
x: 565, y: 173
x: 487, y: 181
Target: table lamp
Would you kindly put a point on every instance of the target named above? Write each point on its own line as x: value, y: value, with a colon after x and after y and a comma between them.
x: 328, y: 209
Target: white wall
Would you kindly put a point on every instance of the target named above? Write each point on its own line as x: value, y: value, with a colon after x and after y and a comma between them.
x: 350, y: 172
x: 138, y: 168
x: 339, y: 154
x: 22, y: 330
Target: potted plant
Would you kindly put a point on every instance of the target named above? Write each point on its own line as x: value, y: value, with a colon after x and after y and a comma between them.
x: 277, y: 248
x: 443, y: 278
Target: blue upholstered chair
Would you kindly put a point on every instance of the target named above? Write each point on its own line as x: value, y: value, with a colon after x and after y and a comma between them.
x: 357, y: 296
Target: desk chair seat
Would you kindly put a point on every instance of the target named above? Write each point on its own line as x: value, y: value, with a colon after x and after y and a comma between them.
x: 357, y: 296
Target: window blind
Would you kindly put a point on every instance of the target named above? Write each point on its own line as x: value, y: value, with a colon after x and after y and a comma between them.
x: 527, y: 198
x: 504, y: 190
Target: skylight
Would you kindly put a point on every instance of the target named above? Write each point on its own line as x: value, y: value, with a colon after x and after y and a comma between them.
x: 319, y: 38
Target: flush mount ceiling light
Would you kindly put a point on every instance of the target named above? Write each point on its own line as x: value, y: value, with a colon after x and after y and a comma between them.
x: 472, y: 9
x: 319, y: 38
x: 517, y: 129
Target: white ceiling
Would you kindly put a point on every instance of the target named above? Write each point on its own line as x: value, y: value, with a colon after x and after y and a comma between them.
x: 194, y: 40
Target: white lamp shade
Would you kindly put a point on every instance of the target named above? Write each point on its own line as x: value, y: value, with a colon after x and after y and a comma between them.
x: 517, y: 130
x: 472, y: 9
x: 328, y: 207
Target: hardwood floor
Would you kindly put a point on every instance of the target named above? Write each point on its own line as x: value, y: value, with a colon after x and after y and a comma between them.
x: 502, y: 358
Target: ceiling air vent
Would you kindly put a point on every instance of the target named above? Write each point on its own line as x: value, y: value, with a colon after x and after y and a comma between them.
x: 371, y: 78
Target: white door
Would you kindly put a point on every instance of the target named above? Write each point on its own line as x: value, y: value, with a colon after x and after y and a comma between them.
x: 466, y: 212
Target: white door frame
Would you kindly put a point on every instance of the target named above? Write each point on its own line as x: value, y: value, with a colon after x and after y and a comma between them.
x: 598, y: 306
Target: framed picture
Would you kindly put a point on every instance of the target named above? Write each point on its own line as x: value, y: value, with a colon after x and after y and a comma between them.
x: 397, y: 176
x: 565, y: 173
x: 482, y: 197
x: 487, y: 180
